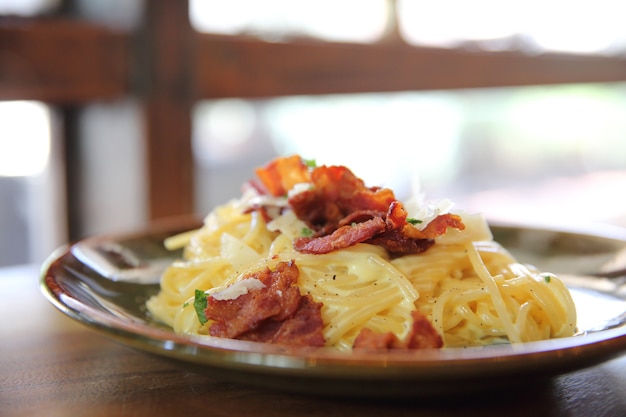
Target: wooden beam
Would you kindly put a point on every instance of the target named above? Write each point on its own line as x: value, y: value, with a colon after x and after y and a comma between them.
x: 74, y: 171
x: 241, y: 67
x: 164, y: 49
x: 62, y: 61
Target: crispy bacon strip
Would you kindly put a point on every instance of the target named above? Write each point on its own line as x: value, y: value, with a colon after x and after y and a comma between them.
x: 280, y: 175
x: 368, y: 339
x: 337, y: 193
x: 397, y: 219
x: 342, y: 211
x: 422, y: 336
x: 303, y: 329
x: 436, y: 227
x: 396, y: 216
x: 397, y: 244
x: 343, y: 237
x: 274, y: 314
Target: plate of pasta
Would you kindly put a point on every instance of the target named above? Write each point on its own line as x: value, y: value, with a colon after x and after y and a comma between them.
x: 313, y: 282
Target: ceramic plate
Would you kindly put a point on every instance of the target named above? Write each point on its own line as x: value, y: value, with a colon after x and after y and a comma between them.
x: 83, y: 281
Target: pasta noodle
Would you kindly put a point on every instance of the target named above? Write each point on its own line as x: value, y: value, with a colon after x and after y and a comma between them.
x: 476, y: 294
x: 469, y: 287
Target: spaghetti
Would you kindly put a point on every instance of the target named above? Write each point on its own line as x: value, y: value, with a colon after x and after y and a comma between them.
x: 447, y: 267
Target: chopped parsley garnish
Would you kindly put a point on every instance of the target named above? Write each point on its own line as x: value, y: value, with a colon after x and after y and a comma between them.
x: 547, y: 278
x: 200, y: 304
x: 306, y: 232
x: 311, y: 163
x: 413, y: 221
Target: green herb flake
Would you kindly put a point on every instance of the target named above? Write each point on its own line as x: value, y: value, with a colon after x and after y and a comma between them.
x: 200, y: 304
x: 311, y: 163
x: 547, y: 278
x: 306, y: 232
x: 413, y: 221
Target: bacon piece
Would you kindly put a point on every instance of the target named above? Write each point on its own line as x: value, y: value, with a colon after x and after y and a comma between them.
x: 339, y: 198
x: 280, y: 175
x: 393, y: 239
x: 421, y: 336
x: 343, y: 237
x: 397, y: 244
x: 396, y: 216
x: 274, y: 314
x: 278, y: 301
x: 437, y: 227
x: 303, y: 329
x: 368, y: 339
x: 402, y: 238
x: 337, y: 193
x: 360, y: 216
x: 342, y: 211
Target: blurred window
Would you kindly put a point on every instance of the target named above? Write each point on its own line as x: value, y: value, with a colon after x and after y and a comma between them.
x: 28, y: 7
x: 25, y: 140
x: 339, y: 21
x: 31, y: 184
x: 116, y: 14
x: 533, y: 26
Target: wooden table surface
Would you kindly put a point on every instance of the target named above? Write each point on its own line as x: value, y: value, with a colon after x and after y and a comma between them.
x: 53, y: 366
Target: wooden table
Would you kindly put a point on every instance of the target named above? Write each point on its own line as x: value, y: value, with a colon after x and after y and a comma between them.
x: 52, y: 366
